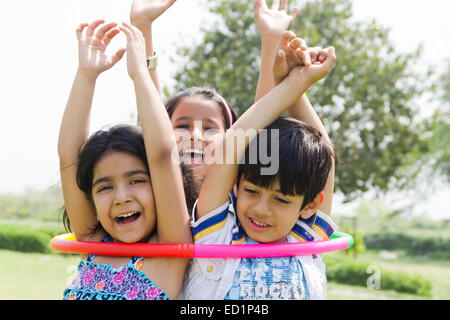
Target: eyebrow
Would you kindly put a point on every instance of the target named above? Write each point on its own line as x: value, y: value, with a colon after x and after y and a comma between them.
x: 212, y: 120
x: 126, y: 174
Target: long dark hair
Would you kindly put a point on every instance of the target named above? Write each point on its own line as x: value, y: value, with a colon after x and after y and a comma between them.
x: 123, y: 138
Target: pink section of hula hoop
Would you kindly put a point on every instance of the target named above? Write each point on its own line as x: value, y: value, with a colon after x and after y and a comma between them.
x: 269, y: 250
x: 67, y: 243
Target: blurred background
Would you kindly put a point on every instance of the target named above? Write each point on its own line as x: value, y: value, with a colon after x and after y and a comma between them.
x: 386, y: 107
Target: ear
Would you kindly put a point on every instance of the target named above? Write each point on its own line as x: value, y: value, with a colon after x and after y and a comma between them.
x: 312, y: 207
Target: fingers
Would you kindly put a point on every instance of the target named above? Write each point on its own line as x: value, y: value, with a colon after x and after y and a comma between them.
x: 260, y: 4
x: 314, y: 54
x: 299, y: 52
x: 93, y: 26
x: 326, y: 67
x: 105, y: 33
x: 280, y: 57
x: 111, y: 34
x: 275, y: 4
x: 330, y: 60
x: 323, y: 54
x: 294, y: 13
x: 286, y: 36
x: 117, y: 56
x: 129, y: 30
x: 284, y: 4
x: 103, y: 30
x: 298, y: 43
x: 80, y: 29
x: 305, y: 56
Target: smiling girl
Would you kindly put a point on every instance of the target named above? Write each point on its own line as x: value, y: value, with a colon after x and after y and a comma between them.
x: 115, y: 184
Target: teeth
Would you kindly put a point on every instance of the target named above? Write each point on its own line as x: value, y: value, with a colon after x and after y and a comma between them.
x: 127, y: 215
x: 192, y: 151
x: 259, y: 224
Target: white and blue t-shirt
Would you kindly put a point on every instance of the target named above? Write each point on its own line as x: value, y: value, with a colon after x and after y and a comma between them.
x: 268, y: 278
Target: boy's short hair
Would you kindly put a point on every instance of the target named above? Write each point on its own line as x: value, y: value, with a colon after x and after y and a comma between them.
x: 305, y: 160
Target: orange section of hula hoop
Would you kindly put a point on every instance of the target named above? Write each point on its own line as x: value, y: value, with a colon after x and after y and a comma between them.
x: 68, y: 243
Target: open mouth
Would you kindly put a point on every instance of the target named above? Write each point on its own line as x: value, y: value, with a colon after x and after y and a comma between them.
x: 128, y: 217
x: 193, y: 156
x: 257, y: 224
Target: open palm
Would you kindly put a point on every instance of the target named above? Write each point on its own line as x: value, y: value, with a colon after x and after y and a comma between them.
x: 274, y: 20
x: 92, y: 47
x: 144, y: 11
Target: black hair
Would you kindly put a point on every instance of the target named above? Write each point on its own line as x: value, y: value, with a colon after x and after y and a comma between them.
x: 208, y: 93
x: 305, y: 160
x: 122, y: 138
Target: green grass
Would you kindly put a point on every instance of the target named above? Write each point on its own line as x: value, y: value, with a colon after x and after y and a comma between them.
x: 437, y: 271
x: 337, y: 291
x: 34, y: 276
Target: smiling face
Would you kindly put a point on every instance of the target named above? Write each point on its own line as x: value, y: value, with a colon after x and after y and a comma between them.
x: 123, y: 197
x: 266, y: 215
x: 199, y: 127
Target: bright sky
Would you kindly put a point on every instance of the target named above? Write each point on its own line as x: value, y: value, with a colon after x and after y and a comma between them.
x: 39, y: 60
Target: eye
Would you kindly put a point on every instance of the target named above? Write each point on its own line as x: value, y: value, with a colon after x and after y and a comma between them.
x: 137, y: 180
x: 281, y: 200
x: 251, y: 191
x: 210, y: 133
x: 182, y: 126
x: 103, y: 188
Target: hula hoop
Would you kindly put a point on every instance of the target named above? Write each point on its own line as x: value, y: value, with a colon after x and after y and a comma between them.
x: 68, y: 243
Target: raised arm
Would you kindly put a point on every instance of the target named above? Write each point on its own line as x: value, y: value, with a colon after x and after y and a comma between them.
x: 290, y: 55
x: 172, y: 214
x: 221, y: 177
x: 74, y: 130
x: 142, y: 15
x: 271, y: 23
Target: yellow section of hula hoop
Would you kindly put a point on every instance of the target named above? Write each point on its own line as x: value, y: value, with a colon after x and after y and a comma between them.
x: 65, y: 236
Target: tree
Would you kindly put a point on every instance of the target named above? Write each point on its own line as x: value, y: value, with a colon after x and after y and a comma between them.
x: 368, y: 103
x: 438, y: 156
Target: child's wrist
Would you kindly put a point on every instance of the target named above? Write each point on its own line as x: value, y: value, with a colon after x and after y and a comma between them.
x: 87, y: 75
x: 142, y: 24
x: 297, y: 83
x: 270, y: 39
x: 140, y: 75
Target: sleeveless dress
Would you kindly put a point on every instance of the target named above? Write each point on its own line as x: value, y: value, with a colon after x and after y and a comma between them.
x: 103, y: 282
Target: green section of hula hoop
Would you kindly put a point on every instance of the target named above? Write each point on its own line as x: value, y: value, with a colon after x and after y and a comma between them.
x: 339, y: 234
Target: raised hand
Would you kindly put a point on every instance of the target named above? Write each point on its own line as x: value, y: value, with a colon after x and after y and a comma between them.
x: 271, y: 22
x: 92, y: 46
x: 146, y: 11
x: 293, y: 52
x: 136, y: 57
x: 319, y: 68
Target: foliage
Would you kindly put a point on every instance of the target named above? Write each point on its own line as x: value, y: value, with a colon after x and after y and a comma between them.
x: 436, y: 247
x: 368, y: 103
x: 358, y: 244
x: 43, y: 205
x: 357, y: 273
x: 17, y: 238
x: 439, y: 142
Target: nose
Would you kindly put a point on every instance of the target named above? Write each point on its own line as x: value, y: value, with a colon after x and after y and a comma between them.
x: 261, y: 207
x: 197, y: 131
x: 122, y: 195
